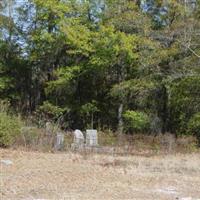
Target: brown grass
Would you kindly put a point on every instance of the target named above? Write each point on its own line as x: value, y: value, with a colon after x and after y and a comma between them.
x: 36, y: 139
x: 35, y: 175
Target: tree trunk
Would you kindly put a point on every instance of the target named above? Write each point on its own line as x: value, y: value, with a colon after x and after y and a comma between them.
x: 10, y: 13
x: 92, y: 121
x: 120, y: 119
x: 164, y: 110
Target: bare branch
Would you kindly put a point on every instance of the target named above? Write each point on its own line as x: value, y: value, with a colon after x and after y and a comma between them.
x: 188, y: 47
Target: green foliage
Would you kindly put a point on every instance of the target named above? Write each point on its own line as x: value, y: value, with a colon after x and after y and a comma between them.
x: 50, y: 111
x: 88, y: 61
x: 184, y: 102
x: 134, y: 88
x: 113, y: 48
x: 79, y: 38
x: 10, y: 127
x: 87, y: 111
x: 89, y: 108
x: 65, y: 76
x: 193, y: 127
x: 136, y: 121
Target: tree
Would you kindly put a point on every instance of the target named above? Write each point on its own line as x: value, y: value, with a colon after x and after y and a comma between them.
x: 62, y: 56
x: 10, y: 54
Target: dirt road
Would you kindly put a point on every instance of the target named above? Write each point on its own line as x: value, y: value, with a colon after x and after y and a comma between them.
x: 35, y: 175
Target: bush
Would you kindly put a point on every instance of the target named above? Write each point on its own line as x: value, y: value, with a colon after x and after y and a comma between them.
x: 50, y: 111
x: 136, y: 121
x: 10, y: 127
x: 194, y: 125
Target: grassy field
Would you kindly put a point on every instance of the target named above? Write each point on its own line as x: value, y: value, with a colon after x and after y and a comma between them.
x: 35, y: 175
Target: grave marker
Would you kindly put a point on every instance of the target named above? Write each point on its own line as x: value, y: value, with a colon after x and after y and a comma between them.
x: 59, y: 141
x: 78, y: 138
x: 91, y: 137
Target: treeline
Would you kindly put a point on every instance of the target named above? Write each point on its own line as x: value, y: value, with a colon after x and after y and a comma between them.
x: 128, y: 66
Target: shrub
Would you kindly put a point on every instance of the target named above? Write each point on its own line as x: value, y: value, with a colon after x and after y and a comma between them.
x: 10, y: 127
x: 50, y: 111
x: 87, y: 112
x: 194, y: 125
x: 30, y: 135
x: 136, y: 121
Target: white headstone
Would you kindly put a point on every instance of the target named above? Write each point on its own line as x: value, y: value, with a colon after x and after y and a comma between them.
x: 91, y: 137
x: 59, y: 141
x: 78, y: 137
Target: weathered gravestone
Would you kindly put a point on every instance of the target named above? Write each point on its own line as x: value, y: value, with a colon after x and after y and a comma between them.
x: 59, y: 143
x: 49, y: 137
x: 91, y: 138
x: 78, y: 138
x: 49, y: 128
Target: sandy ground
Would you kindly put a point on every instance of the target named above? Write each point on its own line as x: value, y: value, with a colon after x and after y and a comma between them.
x: 73, y: 176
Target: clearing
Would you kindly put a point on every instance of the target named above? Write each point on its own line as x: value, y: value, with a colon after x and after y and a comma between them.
x: 34, y: 175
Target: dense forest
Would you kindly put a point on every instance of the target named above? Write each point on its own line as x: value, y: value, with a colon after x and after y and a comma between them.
x: 130, y: 66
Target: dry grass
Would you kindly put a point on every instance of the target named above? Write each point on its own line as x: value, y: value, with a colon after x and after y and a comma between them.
x: 37, y: 139
x: 36, y: 175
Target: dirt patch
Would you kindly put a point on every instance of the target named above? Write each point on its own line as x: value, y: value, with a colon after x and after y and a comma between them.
x: 35, y: 175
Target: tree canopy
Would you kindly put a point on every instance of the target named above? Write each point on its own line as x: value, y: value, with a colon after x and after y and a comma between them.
x: 97, y: 63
